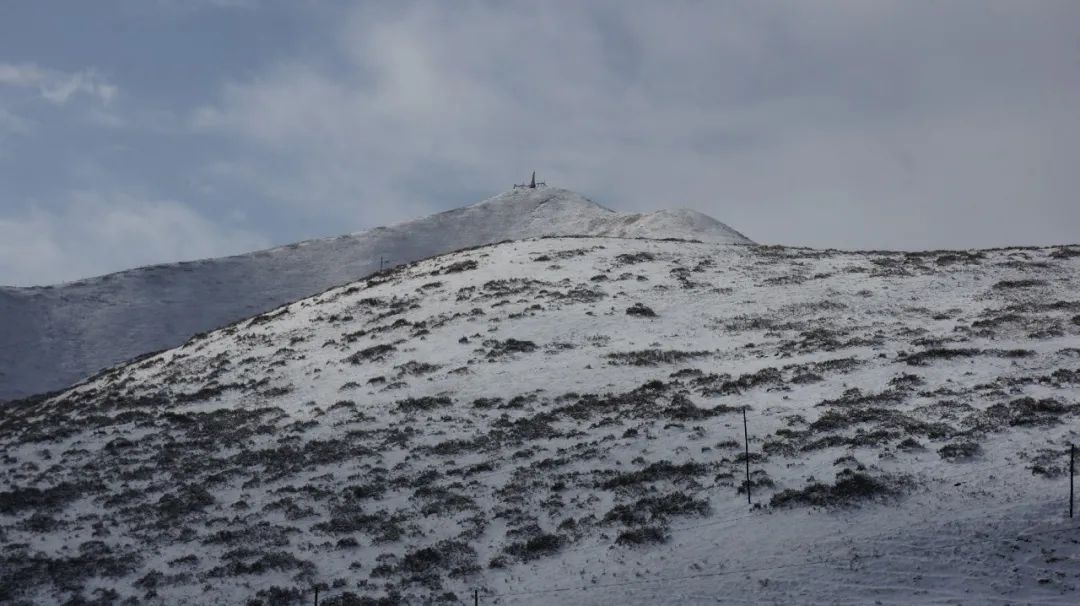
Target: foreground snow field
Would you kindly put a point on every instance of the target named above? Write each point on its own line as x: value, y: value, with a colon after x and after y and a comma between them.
x: 53, y: 336
x: 558, y: 420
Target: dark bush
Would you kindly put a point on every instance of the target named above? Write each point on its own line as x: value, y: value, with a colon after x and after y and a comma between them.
x: 348, y: 519
x: 906, y: 381
x: 54, y: 497
x: 498, y: 348
x: 647, y: 510
x: 652, y: 357
x: 661, y: 470
x: 838, y: 419
x: 424, y: 565
x: 119, y: 444
x: 278, y: 595
x: 18, y: 571
x: 459, y: 266
x: 909, y: 444
x: 414, y: 368
x: 683, y: 409
x: 764, y: 377
x: 423, y: 403
x: 351, y: 599
x: 849, y: 489
x: 536, y: 547
x: 41, y: 522
x: 1029, y: 283
x: 275, y: 560
x: 1028, y: 412
x: 267, y: 317
x: 375, y: 352
x: 188, y: 499
x: 646, y: 535
x: 631, y: 258
x: 1050, y: 463
x: 640, y: 310
x: 921, y: 358
x: 959, y: 451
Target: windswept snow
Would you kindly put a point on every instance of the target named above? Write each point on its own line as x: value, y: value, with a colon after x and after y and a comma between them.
x: 558, y: 421
x: 52, y: 336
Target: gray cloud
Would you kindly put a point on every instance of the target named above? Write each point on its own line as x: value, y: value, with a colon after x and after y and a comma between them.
x: 906, y: 125
x: 912, y: 124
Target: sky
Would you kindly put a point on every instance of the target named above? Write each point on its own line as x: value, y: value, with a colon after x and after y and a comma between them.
x: 145, y: 131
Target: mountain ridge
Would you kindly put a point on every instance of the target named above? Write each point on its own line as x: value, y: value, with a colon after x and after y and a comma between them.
x: 52, y: 336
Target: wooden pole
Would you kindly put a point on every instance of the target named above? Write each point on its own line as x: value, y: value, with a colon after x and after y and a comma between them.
x: 746, y: 441
x: 316, y: 596
x: 1072, y: 471
x: 476, y: 597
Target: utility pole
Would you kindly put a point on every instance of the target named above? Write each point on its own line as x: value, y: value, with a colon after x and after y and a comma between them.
x: 746, y: 441
x: 1072, y: 471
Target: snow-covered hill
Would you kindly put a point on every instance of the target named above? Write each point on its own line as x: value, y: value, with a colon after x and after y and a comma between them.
x: 559, y: 421
x: 51, y: 337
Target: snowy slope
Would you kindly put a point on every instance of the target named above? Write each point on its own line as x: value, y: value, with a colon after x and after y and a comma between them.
x: 558, y: 421
x: 53, y: 336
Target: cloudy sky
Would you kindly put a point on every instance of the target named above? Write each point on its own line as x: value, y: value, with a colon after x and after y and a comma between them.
x: 143, y: 131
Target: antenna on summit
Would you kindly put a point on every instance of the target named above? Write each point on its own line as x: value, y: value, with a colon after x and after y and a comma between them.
x: 532, y: 184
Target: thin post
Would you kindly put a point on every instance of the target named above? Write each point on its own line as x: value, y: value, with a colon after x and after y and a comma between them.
x: 746, y: 441
x: 476, y: 597
x: 316, y: 596
x: 1072, y: 471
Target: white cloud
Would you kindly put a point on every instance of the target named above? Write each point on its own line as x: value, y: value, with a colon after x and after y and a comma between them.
x: 94, y: 234
x: 56, y: 86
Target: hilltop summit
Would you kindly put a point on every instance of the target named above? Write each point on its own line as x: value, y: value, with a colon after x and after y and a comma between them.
x: 53, y: 336
x: 553, y: 211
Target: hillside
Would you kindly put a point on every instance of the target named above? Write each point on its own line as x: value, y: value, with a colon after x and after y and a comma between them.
x: 558, y: 420
x: 52, y: 336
